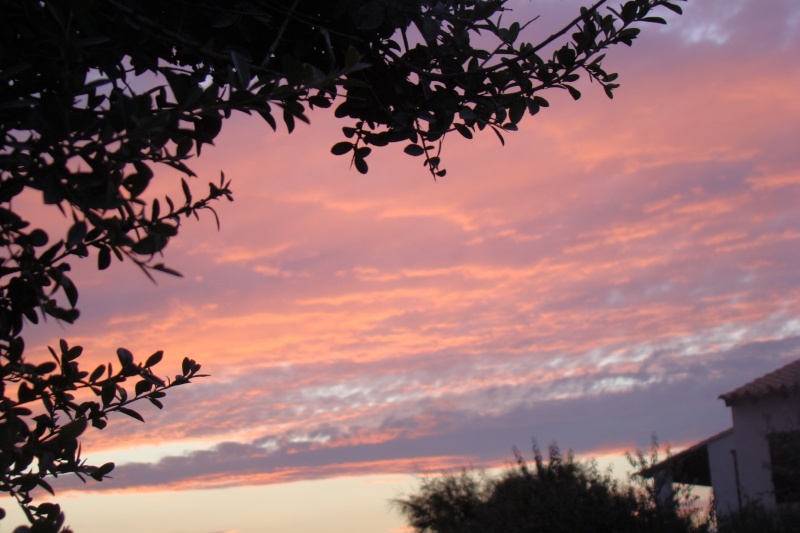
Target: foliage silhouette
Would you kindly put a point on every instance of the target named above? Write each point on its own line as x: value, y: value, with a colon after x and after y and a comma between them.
x: 555, y: 494
x: 754, y: 518
x: 97, y: 97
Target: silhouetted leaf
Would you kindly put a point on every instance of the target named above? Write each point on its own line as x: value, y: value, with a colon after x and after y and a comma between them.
x: 125, y: 357
x: 142, y: 387
x: 73, y: 353
x: 102, y: 471
x: 149, y: 245
x: 103, y: 258
x: 73, y: 429
x: 154, y: 359
x: 166, y: 270
x: 76, y: 233
x: 97, y: 373
x: 46, y: 368
x: 131, y: 413
x: 573, y: 92
x: 463, y: 130
x: 37, y: 238
x: 342, y: 148
x: 414, y: 149
x: 361, y: 165
x: 25, y: 393
x: 108, y: 393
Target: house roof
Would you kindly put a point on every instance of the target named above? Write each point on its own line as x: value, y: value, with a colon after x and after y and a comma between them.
x: 690, y: 466
x: 784, y: 380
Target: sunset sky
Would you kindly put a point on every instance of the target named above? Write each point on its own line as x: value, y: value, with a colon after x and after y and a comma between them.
x: 604, y: 276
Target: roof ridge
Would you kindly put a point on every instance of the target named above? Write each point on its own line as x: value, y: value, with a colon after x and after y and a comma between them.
x: 779, y: 381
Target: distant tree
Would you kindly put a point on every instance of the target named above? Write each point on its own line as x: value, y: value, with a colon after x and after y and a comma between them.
x: 553, y: 495
x: 97, y: 96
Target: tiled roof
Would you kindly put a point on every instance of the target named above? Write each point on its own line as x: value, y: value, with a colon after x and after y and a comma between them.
x: 781, y: 381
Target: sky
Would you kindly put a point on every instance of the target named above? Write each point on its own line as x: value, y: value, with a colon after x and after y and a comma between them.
x: 604, y: 276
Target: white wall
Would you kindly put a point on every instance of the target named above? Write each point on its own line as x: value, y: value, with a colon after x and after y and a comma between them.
x: 752, y: 421
x: 723, y: 473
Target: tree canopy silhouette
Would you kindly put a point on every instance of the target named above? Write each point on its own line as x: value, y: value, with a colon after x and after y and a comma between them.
x: 554, y: 494
x: 97, y: 97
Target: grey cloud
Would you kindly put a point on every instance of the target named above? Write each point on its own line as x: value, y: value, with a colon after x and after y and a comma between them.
x: 679, y: 410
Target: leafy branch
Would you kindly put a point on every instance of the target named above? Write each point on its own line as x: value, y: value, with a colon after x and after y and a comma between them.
x: 61, y: 393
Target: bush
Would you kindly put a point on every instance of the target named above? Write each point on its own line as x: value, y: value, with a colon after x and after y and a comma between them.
x: 556, y: 494
x: 754, y: 518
